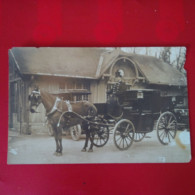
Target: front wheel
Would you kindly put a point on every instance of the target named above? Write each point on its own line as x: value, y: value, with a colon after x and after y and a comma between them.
x: 124, y: 132
x: 166, y: 127
x: 101, y: 136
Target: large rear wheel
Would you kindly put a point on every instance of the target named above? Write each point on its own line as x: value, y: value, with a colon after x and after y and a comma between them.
x: 124, y: 132
x: 166, y: 127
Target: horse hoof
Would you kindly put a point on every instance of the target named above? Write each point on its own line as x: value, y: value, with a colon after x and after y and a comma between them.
x: 83, y: 150
x: 90, y: 150
x: 59, y: 154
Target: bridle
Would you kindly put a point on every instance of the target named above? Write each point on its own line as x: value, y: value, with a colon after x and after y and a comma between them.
x: 37, y: 95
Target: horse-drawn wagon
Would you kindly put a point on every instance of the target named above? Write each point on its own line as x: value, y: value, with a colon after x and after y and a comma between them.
x: 129, y: 114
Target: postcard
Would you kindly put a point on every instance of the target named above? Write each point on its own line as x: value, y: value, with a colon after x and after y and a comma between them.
x: 72, y: 105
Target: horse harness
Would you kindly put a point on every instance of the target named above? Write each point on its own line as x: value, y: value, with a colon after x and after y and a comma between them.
x: 58, y: 106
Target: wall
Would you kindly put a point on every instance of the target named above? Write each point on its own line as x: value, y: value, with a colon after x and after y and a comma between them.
x: 98, y: 91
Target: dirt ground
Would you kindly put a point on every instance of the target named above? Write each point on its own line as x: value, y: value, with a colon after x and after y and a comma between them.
x: 39, y: 149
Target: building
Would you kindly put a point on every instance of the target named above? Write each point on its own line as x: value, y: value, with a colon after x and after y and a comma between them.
x: 80, y: 74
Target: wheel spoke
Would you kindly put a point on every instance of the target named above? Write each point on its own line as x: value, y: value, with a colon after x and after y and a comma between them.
x: 166, y: 119
x: 126, y: 141
x: 136, y: 136
x: 129, y: 137
x: 121, y: 141
x: 163, y: 135
x: 118, y: 138
x: 97, y: 140
x: 127, y: 127
x: 168, y: 137
x: 171, y: 123
x: 130, y: 130
x: 160, y: 129
x: 170, y: 119
x: 161, y: 125
x: 170, y: 134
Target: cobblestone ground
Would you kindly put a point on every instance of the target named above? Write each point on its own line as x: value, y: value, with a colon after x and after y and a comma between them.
x: 39, y: 149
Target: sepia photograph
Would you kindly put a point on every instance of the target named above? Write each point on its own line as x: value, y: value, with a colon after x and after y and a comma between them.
x: 72, y: 105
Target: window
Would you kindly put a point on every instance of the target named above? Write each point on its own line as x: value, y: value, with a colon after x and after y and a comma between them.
x: 71, y: 85
x: 62, y: 85
x: 86, y: 85
x: 78, y: 97
x: 85, y: 97
x: 79, y: 85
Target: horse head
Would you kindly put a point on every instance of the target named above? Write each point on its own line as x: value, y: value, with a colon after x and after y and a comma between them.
x: 35, y: 100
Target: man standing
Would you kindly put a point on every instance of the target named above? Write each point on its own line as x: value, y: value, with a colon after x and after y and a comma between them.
x: 116, y: 93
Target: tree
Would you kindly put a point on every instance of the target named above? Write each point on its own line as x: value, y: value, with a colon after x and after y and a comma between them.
x: 181, y: 59
x: 165, y: 54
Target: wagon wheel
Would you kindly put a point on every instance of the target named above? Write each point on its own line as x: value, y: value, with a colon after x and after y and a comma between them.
x: 166, y: 127
x: 124, y: 132
x: 138, y: 137
x: 101, y: 136
x: 75, y: 132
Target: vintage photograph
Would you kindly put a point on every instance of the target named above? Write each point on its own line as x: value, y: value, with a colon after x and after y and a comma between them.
x: 70, y: 105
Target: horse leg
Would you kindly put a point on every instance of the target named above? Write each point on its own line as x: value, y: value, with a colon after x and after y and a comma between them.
x: 86, y: 141
x: 91, y: 140
x: 56, y: 140
x: 59, y: 140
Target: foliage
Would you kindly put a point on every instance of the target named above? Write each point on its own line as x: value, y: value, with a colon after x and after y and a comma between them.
x: 174, y: 56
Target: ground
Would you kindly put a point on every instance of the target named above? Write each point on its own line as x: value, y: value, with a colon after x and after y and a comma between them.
x: 39, y: 149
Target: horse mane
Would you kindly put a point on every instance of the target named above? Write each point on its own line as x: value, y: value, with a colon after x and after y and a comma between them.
x: 47, y: 99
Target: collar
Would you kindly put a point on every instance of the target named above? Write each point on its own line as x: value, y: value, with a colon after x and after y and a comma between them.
x: 55, y: 106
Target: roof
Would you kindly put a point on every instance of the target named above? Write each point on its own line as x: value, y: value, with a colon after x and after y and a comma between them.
x: 158, y: 72
x: 91, y: 63
x: 154, y: 70
x: 69, y: 62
